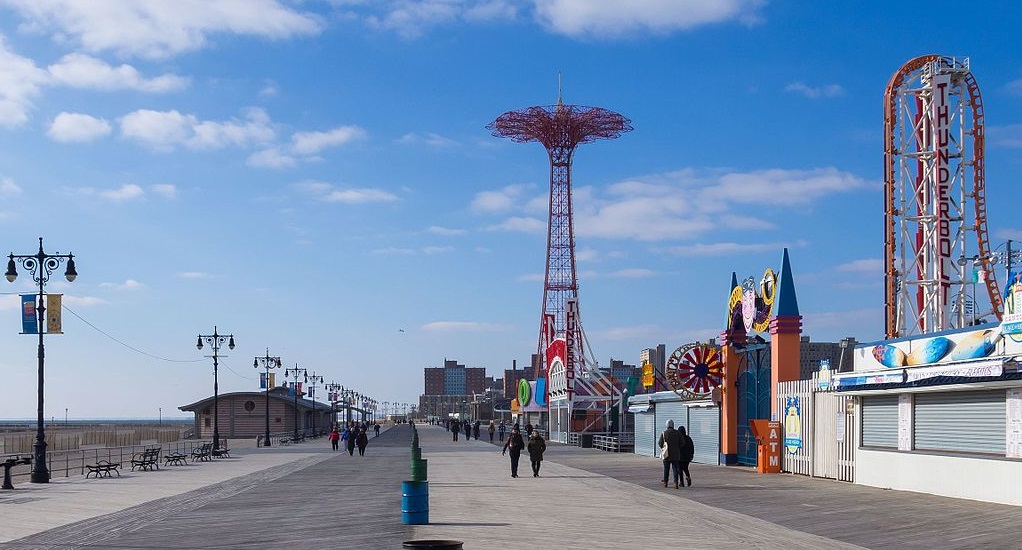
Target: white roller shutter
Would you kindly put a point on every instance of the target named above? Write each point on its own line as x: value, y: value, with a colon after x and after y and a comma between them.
x: 880, y: 421
x: 966, y: 422
x: 704, y: 429
x: 670, y: 410
x: 646, y: 433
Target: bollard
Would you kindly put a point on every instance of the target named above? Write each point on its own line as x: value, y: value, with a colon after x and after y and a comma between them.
x: 414, y: 502
x: 419, y: 470
x: 416, y: 454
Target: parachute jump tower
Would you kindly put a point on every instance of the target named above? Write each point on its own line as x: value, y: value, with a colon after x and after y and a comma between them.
x: 560, y: 129
x: 935, y: 229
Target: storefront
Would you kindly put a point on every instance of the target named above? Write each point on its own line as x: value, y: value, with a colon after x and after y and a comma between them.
x: 700, y: 418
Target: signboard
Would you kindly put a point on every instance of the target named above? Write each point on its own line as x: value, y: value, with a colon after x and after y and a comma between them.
x: 1011, y: 322
x: 792, y: 424
x: 824, y: 378
x: 648, y: 379
x: 768, y: 435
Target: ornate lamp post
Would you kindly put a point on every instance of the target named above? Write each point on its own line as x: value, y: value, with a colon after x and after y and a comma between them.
x: 313, y: 381
x: 267, y: 363
x: 216, y: 341
x: 305, y: 377
x: 41, y: 265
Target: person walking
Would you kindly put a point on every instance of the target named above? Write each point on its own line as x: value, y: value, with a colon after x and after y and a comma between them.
x: 334, y: 437
x: 501, y: 429
x: 475, y: 430
x: 670, y: 443
x: 361, y: 441
x: 468, y: 430
x: 376, y: 428
x: 490, y: 429
x: 350, y: 443
x: 455, y: 429
x: 528, y: 429
x: 515, y: 444
x: 536, y: 447
x: 688, y: 451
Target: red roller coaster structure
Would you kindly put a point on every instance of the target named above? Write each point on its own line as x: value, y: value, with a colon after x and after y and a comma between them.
x: 935, y: 199
x: 560, y: 129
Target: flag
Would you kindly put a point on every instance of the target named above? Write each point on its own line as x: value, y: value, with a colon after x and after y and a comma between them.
x: 273, y: 380
x: 53, y: 313
x: 262, y: 380
x: 29, y: 320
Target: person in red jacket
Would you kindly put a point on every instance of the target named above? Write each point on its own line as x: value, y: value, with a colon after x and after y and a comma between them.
x: 334, y: 436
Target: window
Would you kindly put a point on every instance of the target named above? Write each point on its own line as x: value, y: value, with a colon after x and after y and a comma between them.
x: 208, y: 422
x: 249, y: 406
x: 880, y: 421
x: 964, y: 422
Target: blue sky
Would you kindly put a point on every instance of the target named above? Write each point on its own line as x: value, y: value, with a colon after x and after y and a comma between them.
x: 316, y: 178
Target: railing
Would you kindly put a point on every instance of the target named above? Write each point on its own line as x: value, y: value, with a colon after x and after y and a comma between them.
x: 616, y: 443
x: 72, y: 462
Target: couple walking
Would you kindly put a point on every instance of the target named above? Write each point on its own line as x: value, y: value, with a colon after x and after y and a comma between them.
x: 677, y: 451
x: 515, y: 444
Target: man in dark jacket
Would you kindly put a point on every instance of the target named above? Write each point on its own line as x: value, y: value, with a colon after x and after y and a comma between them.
x: 688, y: 451
x: 670, y: 443
x: 515, y: 444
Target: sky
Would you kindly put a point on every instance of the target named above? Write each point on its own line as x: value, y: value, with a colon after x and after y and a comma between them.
x: 316, y: 178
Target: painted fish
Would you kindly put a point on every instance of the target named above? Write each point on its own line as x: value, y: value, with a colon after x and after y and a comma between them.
x: 888, y: 355
x: 975, y: 345
x: 930, y: 352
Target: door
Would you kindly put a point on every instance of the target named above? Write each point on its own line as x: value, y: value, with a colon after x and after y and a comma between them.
x: 704, y: 429
x: 753, y: 397
x: 646, y: 434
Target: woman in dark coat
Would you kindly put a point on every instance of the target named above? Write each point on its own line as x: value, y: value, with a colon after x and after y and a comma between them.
x: 536, y: 447
x: 468, y: 430
x: 350, y: 443
x: 361, y: 441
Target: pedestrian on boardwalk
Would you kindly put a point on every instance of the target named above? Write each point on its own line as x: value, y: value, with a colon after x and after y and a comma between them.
x: 334, y: 437
x: 536, y: 447
x: 350, y: 443
x: 475, y: 430
x: 528, y: 429
x: 688, y: 451
x: 376, y: 428
x: 670, y: 444
x: 515, y: 444
x: 468, y: 430
x: 361, y: 441
x: 455, y: 429
x: 500, y: 430
x: 490, y: 429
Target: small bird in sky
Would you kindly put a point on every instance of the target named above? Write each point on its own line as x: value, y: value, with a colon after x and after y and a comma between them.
x: 400, y: 330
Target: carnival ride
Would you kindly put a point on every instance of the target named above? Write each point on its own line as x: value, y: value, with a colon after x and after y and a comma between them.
x: 561, y: 129
x: 936, y: 241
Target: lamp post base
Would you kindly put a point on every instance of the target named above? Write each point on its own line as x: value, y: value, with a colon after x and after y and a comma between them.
x: 40, y: 473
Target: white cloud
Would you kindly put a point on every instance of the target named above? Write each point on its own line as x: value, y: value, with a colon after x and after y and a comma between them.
x: 125, y: 192
x: 1014, y: 87
x: 20, y: 81
x: 614, y: 17
x: 430, y: 250
x: 328, y: 193
x: 1009, y: 136
x: 84, y: 71
x: 129, y: 284
x: 193, y: 275
x: 8, y: 188
x: 77, y: 127
x: 435, y: 141
x: 461, y: 326
x: 870, y: 266
x: 632, y: 273
x: 310, y: 143
x: 502, y: 200
x: 437, y: 230
x: 271, y: 158
x: 728, y: 249
x: 519, y: 224
x: 394, y: 251
x: 157, y: 28
x: 165, y: 130
x: 829, y: 90
x: 165, y: 190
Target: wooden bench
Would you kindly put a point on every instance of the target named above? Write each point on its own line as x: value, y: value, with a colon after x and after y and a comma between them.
x: 175, y: 459
x: 103, y: 468
x: 9, y: 463
x: 148, y: 459
x: 203, y: 452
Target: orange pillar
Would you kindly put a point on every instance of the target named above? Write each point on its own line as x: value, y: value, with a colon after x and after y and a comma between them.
x: 785, y: 355
x: 729, y: 400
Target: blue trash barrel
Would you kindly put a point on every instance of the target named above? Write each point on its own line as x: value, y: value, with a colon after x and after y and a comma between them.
x: 415, y: 502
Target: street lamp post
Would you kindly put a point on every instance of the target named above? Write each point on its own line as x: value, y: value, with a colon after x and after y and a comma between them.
x: 305, y: 377
x: 215, y: 341
x: 267, y: 362
x: 313, y: 381
x: 41, y: 265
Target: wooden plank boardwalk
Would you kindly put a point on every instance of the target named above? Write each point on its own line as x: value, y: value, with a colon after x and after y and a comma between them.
x: 306, y: 496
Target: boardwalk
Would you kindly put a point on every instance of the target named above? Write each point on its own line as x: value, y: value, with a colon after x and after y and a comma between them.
x: 306, y: 496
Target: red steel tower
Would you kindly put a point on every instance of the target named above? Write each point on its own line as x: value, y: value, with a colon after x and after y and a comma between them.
x: 560, y: 129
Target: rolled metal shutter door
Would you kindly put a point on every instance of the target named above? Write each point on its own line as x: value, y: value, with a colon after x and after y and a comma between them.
x: 704, y: 429
x: 646, y: 433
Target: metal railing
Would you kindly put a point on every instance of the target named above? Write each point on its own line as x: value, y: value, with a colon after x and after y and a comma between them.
x: 72, y: 462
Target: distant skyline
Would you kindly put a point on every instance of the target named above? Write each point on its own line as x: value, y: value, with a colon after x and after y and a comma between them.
x: 317, y: 178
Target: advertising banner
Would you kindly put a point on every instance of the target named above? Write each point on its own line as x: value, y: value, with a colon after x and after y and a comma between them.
x: 53, y: 308
x: 29, y: 321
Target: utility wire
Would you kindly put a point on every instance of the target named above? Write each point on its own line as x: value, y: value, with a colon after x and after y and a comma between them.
x: 132, y: 348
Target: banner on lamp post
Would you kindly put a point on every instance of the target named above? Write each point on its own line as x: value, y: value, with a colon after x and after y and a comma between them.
x: 53, y: 310
x: 29, y: 317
